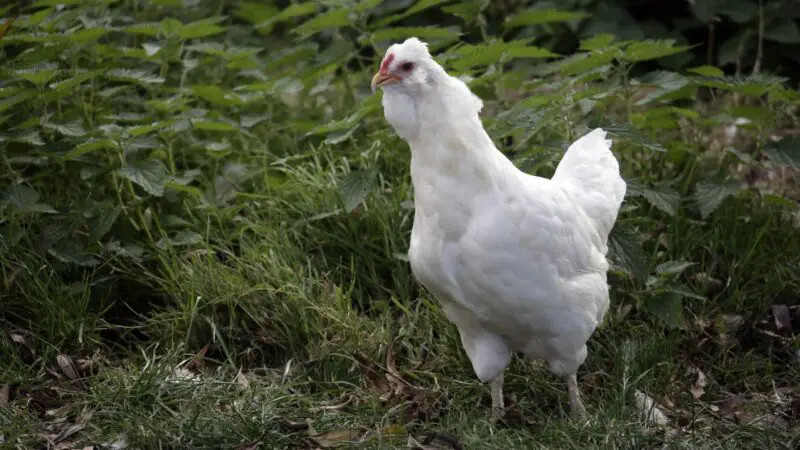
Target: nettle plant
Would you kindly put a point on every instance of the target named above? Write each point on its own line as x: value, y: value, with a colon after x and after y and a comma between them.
x: 125, y: 133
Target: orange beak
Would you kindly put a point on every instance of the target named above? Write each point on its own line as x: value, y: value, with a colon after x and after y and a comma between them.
x: 383, y: 79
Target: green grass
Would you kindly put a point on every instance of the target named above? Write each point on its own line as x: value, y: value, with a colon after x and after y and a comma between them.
x: 183, y: 283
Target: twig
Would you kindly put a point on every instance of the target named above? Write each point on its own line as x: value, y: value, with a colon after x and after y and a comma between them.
x: 760, y: 51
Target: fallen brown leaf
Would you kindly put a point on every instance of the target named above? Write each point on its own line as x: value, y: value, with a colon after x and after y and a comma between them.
x: 336, y: 438
x: 5, y: 394
x: 783, y: 320
x: 699, y: 385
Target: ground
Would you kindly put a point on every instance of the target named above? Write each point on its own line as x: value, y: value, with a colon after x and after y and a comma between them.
x: 205, y: 233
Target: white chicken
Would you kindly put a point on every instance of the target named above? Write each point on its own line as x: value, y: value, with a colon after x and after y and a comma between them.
x: 517, y: 262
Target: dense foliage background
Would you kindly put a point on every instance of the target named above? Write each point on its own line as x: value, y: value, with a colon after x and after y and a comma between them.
x: 205, y: 217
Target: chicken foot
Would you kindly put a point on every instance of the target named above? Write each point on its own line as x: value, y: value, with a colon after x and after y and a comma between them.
x: 498, y: 407
x: 577, y: 409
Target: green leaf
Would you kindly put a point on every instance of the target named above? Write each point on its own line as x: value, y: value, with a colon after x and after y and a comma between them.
x: 469, y: 55
x: 785, y: 152
x: 396, y: 34
x: 653, y: 49
x: 217, y: 95
x: 26, y: 200
x: 139, y: 76
x: 708, y: 195
x: 213, y: 125
x: 150, y: 174
x: 39, y: 74
x: 625, y: 251
x: 255, y: 12
x: 70, y: 83
x: 784, y: 31
x: 336, y: 18
x: 755, y: 85
x: 685, y: 291
x: 667, y: 306
x: 540, y: 16
x: 290, y: 12
x: 418, y: 6
x: 707, y: 71
x: 73, y: 129
x: 103, y: 224
x: 673, y: 267
x: 355, y: 187
x: 67, y: 251
x: 630, y: 134
x: 90, y: 146
x: 181, y: 238
x: 201, y: 28
x: 663, y: 197
x: 597, y: 42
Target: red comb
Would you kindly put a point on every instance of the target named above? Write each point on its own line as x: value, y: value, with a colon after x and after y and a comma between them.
x: 386, y: 62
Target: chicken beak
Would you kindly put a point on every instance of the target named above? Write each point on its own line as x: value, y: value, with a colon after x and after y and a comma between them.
x: 383, y: 79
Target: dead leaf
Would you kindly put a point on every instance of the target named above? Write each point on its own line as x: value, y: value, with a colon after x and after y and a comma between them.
x: 710, y: 284
x: 335, y: 438
x: 783, y: 320
x: 242, y: 383
x: 250, y: 445
x: 650, y: 412
x: 5, y: 394
x: 699, y: 385
x: 337, y: 407
x: 294, y: 426
x: 67, y: 366
x: 7, y: 26
x: 429, y: 442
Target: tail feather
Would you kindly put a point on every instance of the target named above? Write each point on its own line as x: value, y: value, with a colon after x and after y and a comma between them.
x: 590, y: 173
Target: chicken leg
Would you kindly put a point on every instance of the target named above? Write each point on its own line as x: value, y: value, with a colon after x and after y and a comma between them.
x: 498, y: 407
x: 577, y: 409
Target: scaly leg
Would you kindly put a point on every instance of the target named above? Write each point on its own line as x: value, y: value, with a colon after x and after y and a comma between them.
x: 498, y: 407
x: 576, y: 405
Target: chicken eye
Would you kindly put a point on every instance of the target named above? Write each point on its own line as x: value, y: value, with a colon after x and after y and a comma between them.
x: 406, y: 67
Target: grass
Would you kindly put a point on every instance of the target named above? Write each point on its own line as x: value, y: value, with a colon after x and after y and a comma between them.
x: 198, y: 254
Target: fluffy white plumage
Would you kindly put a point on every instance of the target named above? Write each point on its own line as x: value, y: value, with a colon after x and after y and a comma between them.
x: 518, y: 262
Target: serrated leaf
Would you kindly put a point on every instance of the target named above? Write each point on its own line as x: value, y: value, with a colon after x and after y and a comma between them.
x: 331, y: 19
x: 217, y: 95
x: 355, y: 187
x: 597, y: 42
x: 468, y: 55
x: 90, y: 146
x: 625, y: 251
x: 630, y: 134
x: 673, y: 267
x: 707, y: 71
x: 103, y: 224
x: 395, y: 34
x: 255, y: 12
x: 785, y: 152
x: 67, y: 251
x: 653, y: 49
x: 708, y: 195
x: 754, y: 85
x: 213, y: 125
x: 139, y: 76
x: 150, y: 174
x: 71, y: 83
x: 290, y: 12
x: 39, y: 74
x: 540, y: 16
x: 201, y: 28
x: 663, y: 197
x: 685, y: 292
x: 667, y: 306
x: 181, y: 238
x: 417, y: 7
x: 73, y: 129
x: 25, y: 199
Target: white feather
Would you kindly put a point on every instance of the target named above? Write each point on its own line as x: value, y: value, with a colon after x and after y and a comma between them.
x: 516, y: 261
